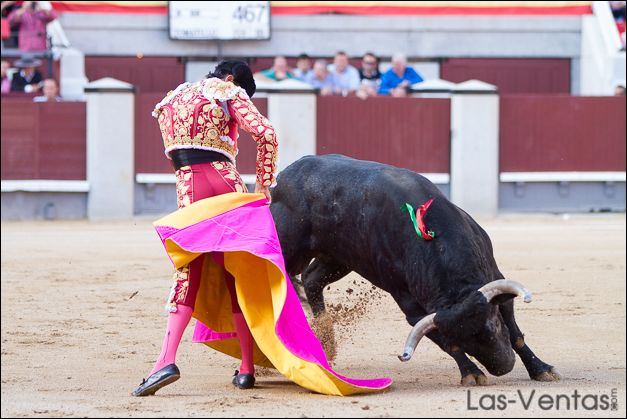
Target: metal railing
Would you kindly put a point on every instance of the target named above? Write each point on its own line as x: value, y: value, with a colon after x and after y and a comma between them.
x: 16, y: 53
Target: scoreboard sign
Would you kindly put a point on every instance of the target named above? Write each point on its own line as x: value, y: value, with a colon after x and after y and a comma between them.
x: 222, y: 20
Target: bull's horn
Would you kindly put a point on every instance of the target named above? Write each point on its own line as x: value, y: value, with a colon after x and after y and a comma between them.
x: 421, y: 328
x: 504, y: 286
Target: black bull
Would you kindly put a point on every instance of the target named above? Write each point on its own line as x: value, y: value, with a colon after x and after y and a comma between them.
x: 345, y: 214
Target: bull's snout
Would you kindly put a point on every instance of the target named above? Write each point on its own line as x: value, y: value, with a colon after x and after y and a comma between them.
x: 501, y: 363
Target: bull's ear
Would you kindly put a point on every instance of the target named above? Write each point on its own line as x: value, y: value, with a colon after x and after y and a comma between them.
x: 502, y: 298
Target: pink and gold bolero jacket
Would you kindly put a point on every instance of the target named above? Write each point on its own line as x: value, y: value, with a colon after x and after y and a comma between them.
x: 205, y: 115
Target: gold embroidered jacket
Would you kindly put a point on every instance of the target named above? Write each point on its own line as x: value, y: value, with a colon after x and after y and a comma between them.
x: 205, y: 115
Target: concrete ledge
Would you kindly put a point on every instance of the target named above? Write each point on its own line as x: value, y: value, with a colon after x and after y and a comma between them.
x: 562, y: 177
x: 438, y: 178
x: 170, y: 178
x: 284, y: 86
x: 158, y: 178
x: 109, y: 85
x: 42, y: 185
x: 155, y: 178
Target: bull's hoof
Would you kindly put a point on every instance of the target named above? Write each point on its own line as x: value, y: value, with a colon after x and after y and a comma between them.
x: 472, y: 380
x: 548, y: 376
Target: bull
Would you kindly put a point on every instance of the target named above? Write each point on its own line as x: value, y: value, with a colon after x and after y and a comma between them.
x: 345, y: 215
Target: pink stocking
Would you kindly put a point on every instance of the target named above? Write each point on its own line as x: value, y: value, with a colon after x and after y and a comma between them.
x: 243, y: 332
x: 177, y: 322
x: 246, y: 344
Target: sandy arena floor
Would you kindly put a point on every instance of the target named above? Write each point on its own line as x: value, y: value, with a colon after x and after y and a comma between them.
x: 82, y: 321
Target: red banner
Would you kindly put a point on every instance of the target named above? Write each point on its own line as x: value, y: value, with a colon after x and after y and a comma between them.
x: 355, y: 7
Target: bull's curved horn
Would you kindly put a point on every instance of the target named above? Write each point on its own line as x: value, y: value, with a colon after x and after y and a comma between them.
x: 421, y: 328
x: 504, y: 286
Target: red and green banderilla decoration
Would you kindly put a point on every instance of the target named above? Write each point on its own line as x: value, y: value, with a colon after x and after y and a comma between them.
x: 417, y: 219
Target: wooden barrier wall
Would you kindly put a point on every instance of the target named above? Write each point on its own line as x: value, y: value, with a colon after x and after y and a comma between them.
x: 555, y: 133
x: 538, y: 133
x: 413, y: 133
x: 43, y: 140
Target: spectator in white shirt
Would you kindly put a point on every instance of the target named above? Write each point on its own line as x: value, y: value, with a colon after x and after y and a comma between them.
x: 49, y: 89
x: 345, y: 76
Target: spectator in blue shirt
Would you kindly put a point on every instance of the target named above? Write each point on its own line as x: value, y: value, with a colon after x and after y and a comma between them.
x: 320, y: 78
x: 303, y: 67
x: 397, y: 79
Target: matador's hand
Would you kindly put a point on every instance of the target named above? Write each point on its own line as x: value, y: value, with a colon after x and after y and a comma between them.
x: 264, y: 190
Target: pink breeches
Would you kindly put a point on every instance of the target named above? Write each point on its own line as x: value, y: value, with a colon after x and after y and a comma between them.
x: 196, y: 182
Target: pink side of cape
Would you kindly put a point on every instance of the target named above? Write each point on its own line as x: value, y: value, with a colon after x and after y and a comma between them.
x: 250, y: 228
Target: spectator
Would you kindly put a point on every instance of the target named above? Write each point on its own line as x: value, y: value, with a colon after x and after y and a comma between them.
x: 345, y: 76
x: 320, y: 78
x: 369, y: 75
x: 9, y: 31
x: 49, y: 89
x: 619, y: 10
x: 6, y: 82
x: 28, y: 78
x: 32, y: 19
x: 397, y: 79
x: 619, y: 90
x: 278, y: 72
x: 303, y: 67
